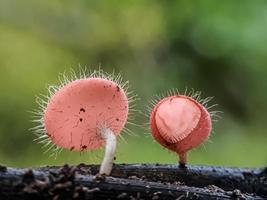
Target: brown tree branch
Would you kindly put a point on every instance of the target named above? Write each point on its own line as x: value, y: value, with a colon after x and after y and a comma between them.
x: 141, y: 181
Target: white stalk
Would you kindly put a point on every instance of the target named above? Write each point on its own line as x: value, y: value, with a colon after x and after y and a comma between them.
x: 111, y: 143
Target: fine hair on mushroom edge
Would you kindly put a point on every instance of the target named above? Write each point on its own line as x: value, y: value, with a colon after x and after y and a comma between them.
x: 86, y: 112
x: 181, y: 122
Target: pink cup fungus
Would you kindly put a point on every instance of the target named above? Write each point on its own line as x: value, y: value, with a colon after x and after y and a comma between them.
x: 181, y: 123
x: 85, y: 114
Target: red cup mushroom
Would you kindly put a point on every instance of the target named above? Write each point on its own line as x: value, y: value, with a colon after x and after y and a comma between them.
x: 181, y: 123
x: 85, y: 114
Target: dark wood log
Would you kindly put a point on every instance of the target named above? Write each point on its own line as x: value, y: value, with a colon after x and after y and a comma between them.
x: 126, y: 182
x: 244, y: 179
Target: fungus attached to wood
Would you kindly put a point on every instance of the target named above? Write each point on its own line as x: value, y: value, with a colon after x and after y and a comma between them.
x: 85, y: 114
x: 181, y: 122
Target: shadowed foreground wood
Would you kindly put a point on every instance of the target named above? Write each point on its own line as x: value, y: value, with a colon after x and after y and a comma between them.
x: 246, y: 180
x: 139, y: 181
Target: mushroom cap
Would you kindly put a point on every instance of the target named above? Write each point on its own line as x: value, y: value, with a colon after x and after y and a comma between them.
x: 76, y: 114
x: 180, y: 123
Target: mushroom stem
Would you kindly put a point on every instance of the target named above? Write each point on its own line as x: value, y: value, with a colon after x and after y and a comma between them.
x: 182, y: 159
x: 111, y: 143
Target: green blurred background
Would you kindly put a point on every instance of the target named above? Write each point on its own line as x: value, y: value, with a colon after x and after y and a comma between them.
x: 218, y: 47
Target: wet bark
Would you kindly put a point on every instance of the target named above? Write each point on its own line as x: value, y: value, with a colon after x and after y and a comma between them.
x: 140, y: 181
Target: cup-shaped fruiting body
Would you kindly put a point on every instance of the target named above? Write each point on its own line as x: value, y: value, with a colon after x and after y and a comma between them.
x: 85, y: 114
x: 76, y: 114
x: 180, y: 123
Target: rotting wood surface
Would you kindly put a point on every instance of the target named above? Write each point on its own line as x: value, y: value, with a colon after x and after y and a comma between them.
x: 133, y: 181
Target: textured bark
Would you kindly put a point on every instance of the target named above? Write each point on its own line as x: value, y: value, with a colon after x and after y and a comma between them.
x: 141, y: 181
